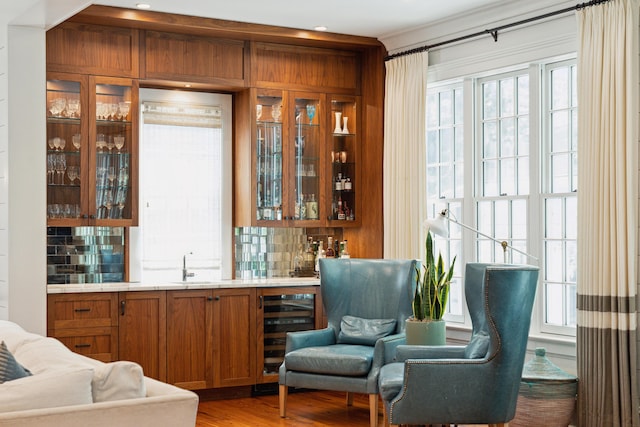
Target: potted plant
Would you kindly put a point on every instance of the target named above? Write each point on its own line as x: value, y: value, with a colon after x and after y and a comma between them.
x: 426, y: 326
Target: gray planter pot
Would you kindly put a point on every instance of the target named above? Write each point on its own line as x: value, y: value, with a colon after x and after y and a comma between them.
x: 432, y: 332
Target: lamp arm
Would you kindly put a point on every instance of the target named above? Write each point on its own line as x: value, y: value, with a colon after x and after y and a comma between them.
x: 503, y: 243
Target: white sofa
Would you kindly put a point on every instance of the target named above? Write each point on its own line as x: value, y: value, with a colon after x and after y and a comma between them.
x: 68, y: 389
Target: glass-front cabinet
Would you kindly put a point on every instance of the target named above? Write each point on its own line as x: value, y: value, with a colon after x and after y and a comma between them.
x: 113, y: 139
x: 289, y: 152
x: 66, y: 149
x: 91, y: 150
x: 345, y: 146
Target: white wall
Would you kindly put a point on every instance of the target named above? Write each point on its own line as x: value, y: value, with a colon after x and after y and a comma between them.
x: 4, y: 186
x: 25, y: 180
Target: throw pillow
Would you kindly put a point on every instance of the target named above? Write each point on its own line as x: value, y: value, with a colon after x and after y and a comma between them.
x: 356, y: 330
x: 10, y: 369
x: 65, y: 387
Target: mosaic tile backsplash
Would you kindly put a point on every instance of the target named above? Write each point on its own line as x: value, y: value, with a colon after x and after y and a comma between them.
x: 85, y: 254
x: 264, y: 252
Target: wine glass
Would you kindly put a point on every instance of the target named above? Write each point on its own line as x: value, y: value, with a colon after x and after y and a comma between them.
x: 73, y: 107
x: 62, y: 143
x: 124, y: 108
x: 118, y: 140
x: 258, y: 111
x: 72, y: 173
x: 52, y: 145
x: 311, y: 111
x: 76, y: 140
x: 111, y: 174
x: 101, y: 142
x: 108, y: 203
x: 110, y: 143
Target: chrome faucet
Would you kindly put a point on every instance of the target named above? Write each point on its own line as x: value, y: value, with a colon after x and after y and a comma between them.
x: 185, y: 274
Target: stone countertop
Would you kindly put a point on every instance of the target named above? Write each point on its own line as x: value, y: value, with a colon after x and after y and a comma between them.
x: 174, y: 286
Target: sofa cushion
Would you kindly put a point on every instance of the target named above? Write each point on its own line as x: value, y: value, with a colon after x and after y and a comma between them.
x: 356, y: 330
x: 118, y: 381
x: 10, y: 369
x: 337, y: 359
x: 61, y: 387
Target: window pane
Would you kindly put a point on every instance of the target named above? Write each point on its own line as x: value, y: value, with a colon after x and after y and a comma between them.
x: 559, y: 88
x: 507, y: 97
x: 446, y: 108
x: 560, y: 173
x: 501, y: 221
x: 432, y: 110
x: 507, y: 176
x: 553, y: 219
x: 523, y: 136
x: 489, y: 100
x: 519, y: 220
x: 553, y: 257
x: 507, y: 137
x: 446, y: 145
x: 490, y: 178
x: 523, y: 95
x: 571, y: 214
x: 560, y: 131
x: 490, y: 140
x: 554, y: 298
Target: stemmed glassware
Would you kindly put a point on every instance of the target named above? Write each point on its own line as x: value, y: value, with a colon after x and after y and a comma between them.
x: 57, y: 107
x: 110, y: 143
x: 76, y: 140
x: 118, y: 140
x: 73, y: 108
x: 124, y: 108
x: 73, y: 173
x: 311, y: 111
x: 276, y: 112
x: 101, y: 142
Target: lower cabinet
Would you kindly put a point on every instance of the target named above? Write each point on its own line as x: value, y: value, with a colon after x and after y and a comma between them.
x: 195, y: 339
x: 142, y: 331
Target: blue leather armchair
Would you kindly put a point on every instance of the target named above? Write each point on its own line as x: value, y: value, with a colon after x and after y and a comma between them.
x: 366, y: 302
x: 473, y: 384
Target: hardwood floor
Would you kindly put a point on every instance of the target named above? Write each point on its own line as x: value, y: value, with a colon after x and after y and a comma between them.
x: 309, y: 408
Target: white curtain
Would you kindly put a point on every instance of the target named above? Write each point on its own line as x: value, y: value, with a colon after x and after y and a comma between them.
x: 404, y: 164
x: 608, y: 87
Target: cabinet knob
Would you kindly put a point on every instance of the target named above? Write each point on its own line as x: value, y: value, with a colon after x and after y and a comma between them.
x: 217, y: 297
x: 209, y: 298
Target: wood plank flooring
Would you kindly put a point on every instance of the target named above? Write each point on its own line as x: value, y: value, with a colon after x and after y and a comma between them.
x: 309, y: 408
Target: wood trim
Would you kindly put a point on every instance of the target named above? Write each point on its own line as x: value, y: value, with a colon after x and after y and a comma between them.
x: 158, y: 21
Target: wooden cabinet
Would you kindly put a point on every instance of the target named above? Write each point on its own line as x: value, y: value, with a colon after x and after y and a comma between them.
x: 92, y: 150
x: 282, y: 310
x: 195, y: 339
x: 218, y: 349
x: 142, y: 333
x: 86, y: 323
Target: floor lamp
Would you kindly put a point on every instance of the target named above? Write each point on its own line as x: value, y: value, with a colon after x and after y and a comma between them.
x: 438, y: 226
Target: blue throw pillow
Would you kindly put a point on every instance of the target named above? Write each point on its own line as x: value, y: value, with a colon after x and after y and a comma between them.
x: 10, y: 369
x: 356, y: 330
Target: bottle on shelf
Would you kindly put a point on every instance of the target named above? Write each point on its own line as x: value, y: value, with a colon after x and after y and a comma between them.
x: 330, y: 253
x: 339, y: 182
x: 341, y: 214
x: 345, y: 250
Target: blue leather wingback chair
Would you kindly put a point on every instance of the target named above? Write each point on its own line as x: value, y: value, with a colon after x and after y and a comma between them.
x: 473, y: 384
x: 375, y: 296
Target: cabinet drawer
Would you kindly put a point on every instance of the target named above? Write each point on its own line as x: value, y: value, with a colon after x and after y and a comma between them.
x: 82, y: 311
x: 97, y: 343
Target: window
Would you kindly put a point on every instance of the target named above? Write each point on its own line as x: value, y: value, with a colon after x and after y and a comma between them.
x: 185, y: 187
x: 523, y: 175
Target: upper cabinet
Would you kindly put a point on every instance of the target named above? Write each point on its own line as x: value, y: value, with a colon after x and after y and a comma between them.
x: 91, y: 150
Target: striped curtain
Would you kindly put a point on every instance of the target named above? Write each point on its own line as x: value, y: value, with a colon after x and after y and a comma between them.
x: 607, y: 339
x: 404, y: 164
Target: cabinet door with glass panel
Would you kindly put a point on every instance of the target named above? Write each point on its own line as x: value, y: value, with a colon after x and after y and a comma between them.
x: 305, y: 154
x: 345, y: 148
x: 113, y: 142
x: 67, y: 156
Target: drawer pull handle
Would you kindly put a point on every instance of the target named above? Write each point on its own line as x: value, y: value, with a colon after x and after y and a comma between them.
x: 82, y: 310
x: 83, y: 345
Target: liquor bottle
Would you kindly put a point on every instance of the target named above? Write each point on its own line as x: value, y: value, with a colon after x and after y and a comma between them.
x: 347, y: 211
x: 309, y: 256
x: 345, y: 251
x: 330, y: 253
x: 341, y: 213
x: 347, y: 185
x: 339, y: 182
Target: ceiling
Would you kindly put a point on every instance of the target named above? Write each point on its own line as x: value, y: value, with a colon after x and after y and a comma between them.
x: 396, y: 23
x: 372, y: 18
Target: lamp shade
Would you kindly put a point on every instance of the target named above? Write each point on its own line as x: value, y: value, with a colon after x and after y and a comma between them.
x: 437, y: 225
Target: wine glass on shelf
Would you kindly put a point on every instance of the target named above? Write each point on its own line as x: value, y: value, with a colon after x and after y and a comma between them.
x: 101, y: 142
x: 76, y: 140
x: 108, y: 202
x: 276, y: 112
x: 110, y: 143
x: 118, y: 140
x: 73, y: 107
x: 51, y: 168
x: 111, y: 175
x: 72, y: 173
x: 51, y: 143
x: 311, y: 112
x: 258, y: 111
x: 124, y: 108
x: 62, y: 143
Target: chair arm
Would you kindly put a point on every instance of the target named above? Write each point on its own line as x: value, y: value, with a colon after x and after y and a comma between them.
x: 388, y: 344
x: 317, y: 337
x: 404, y: 352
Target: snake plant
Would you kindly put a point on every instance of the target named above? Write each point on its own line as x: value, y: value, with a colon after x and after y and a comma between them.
x: 432, y: 286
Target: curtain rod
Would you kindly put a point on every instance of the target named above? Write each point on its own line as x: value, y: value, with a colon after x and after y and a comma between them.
x: 494, y: 31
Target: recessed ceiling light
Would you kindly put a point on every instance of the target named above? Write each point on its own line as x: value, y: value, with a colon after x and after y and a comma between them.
x: 320, y: 28
x: 143, y: 6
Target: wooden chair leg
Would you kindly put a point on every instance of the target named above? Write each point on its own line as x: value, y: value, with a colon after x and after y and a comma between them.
x: 373, y: 410
x: 283, y: 390
x: 349, y: 398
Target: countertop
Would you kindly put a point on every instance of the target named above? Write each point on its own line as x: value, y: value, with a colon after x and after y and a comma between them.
x: 173, y: 286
